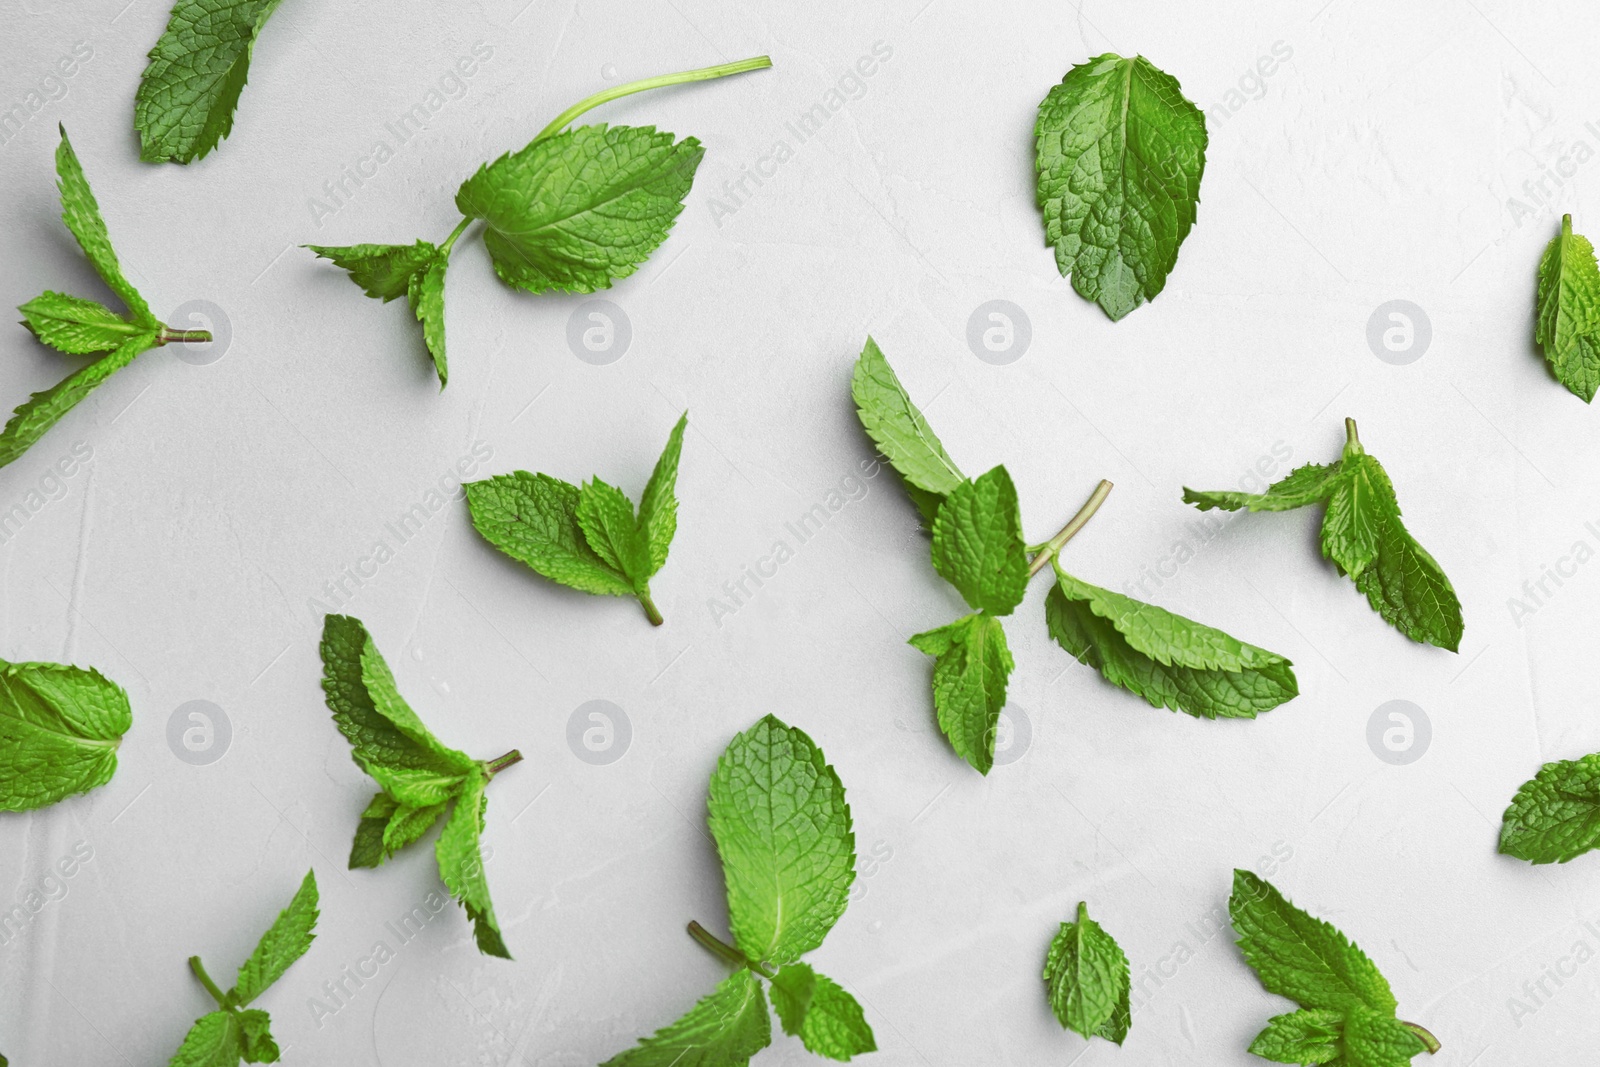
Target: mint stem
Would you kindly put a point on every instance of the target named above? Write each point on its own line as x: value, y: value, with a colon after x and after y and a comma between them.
x: 1350, y: 438
x: 1427, y: 1039
x: 1070, y: 530
x: 199, y: 970
x: 722, y: 70
x: 169, y: 335
x: 724, y: 951
x: 651, y: 612
x: 450, y: 242
x: 495, y: 766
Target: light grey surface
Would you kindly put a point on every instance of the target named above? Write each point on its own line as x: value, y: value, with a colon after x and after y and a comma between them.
x: 1380, y: 162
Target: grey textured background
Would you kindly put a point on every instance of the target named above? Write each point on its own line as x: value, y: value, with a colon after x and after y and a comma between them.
x: 1386, y: 159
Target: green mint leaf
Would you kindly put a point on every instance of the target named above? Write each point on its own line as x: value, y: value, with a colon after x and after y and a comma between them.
x: 35, y: 416
x: 1086, y: 980
x: 1301, y: 957
x: 59, y: 731
x: 817, y: 1010
x: 1378, y: 1039
x: 1556, y: 814
x: 1169, y: 660
x: 367, y: 850
x: 1310, y: 484
x: 461, y: 865
x: 197, y: 69
x: 215, y: 1040
x: 259, y: 1047
x: 1567, y: 317
x: 384, y: 272
x: 902, y: 435
x: 533, y: 518
x: 978, y: 546
x: 1119, y: 155
x: 1305, y: 1037
x: 577, y: 210
x: 426, y: 295
x: 287, y: 940
x: 971, y: 665
x: 724, y: 1029
x: 82, y: 216
x: 606, y: 517
x: 782, y: 828
x: 74, y: 325
x: 658, y: 508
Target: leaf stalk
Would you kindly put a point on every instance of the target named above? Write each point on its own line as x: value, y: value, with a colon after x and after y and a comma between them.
x: 1053, y: 546
x: 724, y: 951
x: 1430, y: 1042
x: 721, y: 70
x: 495, y: 766
x: 199, y: 970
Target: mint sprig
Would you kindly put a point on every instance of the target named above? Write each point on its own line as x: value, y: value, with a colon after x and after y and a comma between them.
x: 1567, y: 313
x: 1119, y: 153
x: 1363, y: 535
x: 1087, y: 981
x: 587, y: 538
x: 979, y: 548
x: 421, y: 780
x: 60, y: 728
x: 782, y: 828
x: 572, y: 211
x: 1347, y: 1010
x: 78, y: 327
x: 236, y: 1031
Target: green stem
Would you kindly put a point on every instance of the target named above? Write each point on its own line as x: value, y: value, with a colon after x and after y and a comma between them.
x: 450, y: 242
x: 651, y: 612
x: 168, y: 335
x: 1070, y: 530
x: 495, y: 766
x: 722, y: 70
x: 1350, y: 438
x: 724, y: 951
x: 199, y: 970
x: 1427, y: 1039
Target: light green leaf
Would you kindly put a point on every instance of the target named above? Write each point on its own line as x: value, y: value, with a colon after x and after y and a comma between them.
x: 426, y: 292
x: 971, y: 665
x: 259, y: 1047
x: 1310, y: 484
x: 580, y: 209
x: 826, y: 1019
x: 82, y: 216
x: 36, y: 415
x: 60, y: 727
x: 1305, y: 1037
x: 606, y: 517
x: 1556, y: 814
x: 384, y: 272
x: 1169, y: 660
x: 782, y: 827
x: 1378, y: 1039
x: 1120, y: 153
x: 1301, y: 957
x: 287, y: 940
x: 902, y: 435
x: 215, y: 1040
x: 1567, y: 320
x: 197, y: 70
x: 658, y: 508
x: 724, y: 1029
x: 533, y: 518
x: 461, y: 865
x: 978, y: 546
x: 1086, y: 980
x: 74, y: 325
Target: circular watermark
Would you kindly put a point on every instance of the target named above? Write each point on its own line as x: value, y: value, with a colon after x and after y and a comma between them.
x: 201, y: 315
x: 599, y: 332
x: 199, y: 733
x: 598, y: 732
x: 1399, y: 732
x: 999, y: 332
x: 1398, y: 332
x: 1013, y: 733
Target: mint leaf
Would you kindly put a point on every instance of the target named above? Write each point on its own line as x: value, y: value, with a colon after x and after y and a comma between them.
x: 419, y: 775
x: 1169, y: 660
x: 1364, y: 537
x: 36, y: 415
x: 1378, y: 1039
x: 1303, y: 1037
x: 573, y: 210
x: 1567, y: 319
x: 724, y: 1029
x: 1556, y: 814
x: 782, y: 828
x: 60, y: 728
x: 1119, y: 155
x: 74, y: 325
x: 1086, y: 980
x: 814, y: 1008
x: 978, y: 546
x: 589, y: 538
x: 81, y: 214
x: 971, y: 665
x: 902, y: 435
x: 230, y: 1034
x: 197, y: 69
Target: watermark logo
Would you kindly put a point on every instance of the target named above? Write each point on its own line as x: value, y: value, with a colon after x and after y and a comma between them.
x: 599, y: 732
x: 199, y: 733
x: 999, y: 332
x: 1013, y: 734
x: 1399, y: 332
x: 599, y: 332
x: 1399, y: 732
x: 201, y: 315
x: 1251, y: 83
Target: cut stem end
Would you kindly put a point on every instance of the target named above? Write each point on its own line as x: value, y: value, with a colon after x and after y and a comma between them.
x: 1430, y: 1042
x: 495, y: 766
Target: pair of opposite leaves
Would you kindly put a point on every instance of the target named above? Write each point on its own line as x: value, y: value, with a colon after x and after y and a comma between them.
x: 1171, y: 661
x: 1347, y: 1011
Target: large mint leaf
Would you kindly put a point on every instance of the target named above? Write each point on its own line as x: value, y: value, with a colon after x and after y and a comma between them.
x: 971, y: 665
x: 60, y: 727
